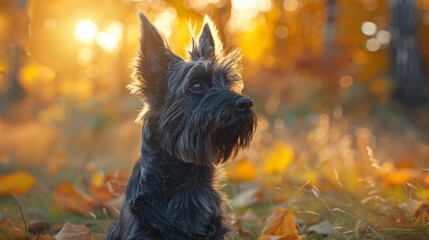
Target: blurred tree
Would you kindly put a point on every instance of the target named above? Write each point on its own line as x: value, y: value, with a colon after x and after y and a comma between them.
x: 11, y: 47
x: 406, y: 60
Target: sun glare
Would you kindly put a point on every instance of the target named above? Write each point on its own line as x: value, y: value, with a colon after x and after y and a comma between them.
x: 109, y: 40
x: 86, y: 30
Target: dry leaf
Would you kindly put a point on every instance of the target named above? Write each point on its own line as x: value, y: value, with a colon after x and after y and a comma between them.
x: 248, y: 197
x: 323, y: 228
x: 43, y: 237
x: 242, y: 170
x: 422, y: 213
x: 114, y: 206
x: 9, y: 231
x: 74, y: 232
x: 275, y: 237
x: 281, y: 223
x: 279, y: 159
x: 16, y: 183
x: 98, y: 188
x: 105, y: 187
x: 38, y: 226
x: 401, y: 176
x: 248, y: 216
x: 70, y: 198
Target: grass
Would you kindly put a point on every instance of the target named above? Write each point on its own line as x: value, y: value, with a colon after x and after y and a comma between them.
x: 338, y: 173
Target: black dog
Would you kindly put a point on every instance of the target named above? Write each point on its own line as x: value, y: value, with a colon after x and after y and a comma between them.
x: 194, y: 119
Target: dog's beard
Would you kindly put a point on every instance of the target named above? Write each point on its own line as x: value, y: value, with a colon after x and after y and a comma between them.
x: 227, y: 140
x: 211, y: 132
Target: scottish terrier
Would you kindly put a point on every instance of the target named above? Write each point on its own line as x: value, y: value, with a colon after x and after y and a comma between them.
x: 194, y: 119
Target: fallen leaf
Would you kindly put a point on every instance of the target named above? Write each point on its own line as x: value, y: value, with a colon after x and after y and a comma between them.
x: 275, y: 237
x: 16, y: 183
x: 38, y: 226
x: 70, y: 198
x: 98, y: 188
x: 401, y: 176
x: 114, y: 206
x: 9, y: 231
x: 242, y: 170
x: 422, y: 213
x: 74, y: 232
x: 323, y: 228
x: 249, y: 196
x: 279, y: 159
x: 248, y: 216
x: 106, y: 187
x: 43, y: 237
x: 281, y: 223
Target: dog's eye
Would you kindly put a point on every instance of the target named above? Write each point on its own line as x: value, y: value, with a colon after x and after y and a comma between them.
x: 197, y: 87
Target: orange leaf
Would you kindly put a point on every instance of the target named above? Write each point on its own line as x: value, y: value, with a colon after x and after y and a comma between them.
x: 105, y: 187
x: 9, y: 231
x: 70, y: 198
x: 43, y: 237
x: 401, y: 176
x: 16, y: 183
x: 282, y: 223
x: 74, y: 232
x: 276, y: 237
x: 279, y: 159
x: 242, y: 170
x: 98, y: 188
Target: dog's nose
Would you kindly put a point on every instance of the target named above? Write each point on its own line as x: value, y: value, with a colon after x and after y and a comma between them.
x: 243, y: 104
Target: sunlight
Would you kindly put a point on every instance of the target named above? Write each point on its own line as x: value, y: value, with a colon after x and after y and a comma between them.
x: 86, y: 30
x: 109, y: 40
x: 165, y: 20
x: 290, y: 5
x: 243, y: 4
x: 243, y: 12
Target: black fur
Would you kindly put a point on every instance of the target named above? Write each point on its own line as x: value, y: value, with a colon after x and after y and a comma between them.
x: 174, y: 191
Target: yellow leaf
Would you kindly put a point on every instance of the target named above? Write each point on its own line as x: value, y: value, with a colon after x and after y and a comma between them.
x: 401, y: 176
x: 16, y: 183
x: 279, y: 159
x: 281, y: 223
x: 242, y: 170
x: 70, y: 198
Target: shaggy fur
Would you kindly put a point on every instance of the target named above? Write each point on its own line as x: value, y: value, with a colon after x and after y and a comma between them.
x: 194, y: 119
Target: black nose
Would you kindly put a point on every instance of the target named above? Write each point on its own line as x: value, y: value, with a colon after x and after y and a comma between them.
x: 243, y: 104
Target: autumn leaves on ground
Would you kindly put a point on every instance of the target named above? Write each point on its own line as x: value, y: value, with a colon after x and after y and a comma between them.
x: 325, y: 182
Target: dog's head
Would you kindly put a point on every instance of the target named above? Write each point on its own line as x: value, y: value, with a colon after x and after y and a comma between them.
x: 195, y: 106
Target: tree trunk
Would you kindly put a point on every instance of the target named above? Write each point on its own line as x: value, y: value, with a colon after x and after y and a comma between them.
x: 406, y: 61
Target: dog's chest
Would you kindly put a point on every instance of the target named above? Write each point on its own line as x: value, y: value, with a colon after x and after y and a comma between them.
x: 191, y: 199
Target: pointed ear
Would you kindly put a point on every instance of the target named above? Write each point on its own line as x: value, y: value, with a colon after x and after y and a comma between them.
x: 151, y: 64
x: 209, y: 45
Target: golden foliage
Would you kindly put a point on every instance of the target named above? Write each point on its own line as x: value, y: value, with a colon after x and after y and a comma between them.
x: 16, y: 183
x: 281, y: 223
x: 242, y: 170
x: 279, y: 159
x: 68, y: 197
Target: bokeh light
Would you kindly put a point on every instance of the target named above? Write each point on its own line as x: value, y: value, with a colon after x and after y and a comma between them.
x: 86, y: 30
x: 109, y: 39
x: 369, y: 28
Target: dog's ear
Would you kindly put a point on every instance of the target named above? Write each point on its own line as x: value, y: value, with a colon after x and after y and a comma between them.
x: 151, y: 64
x: 209, y: 45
